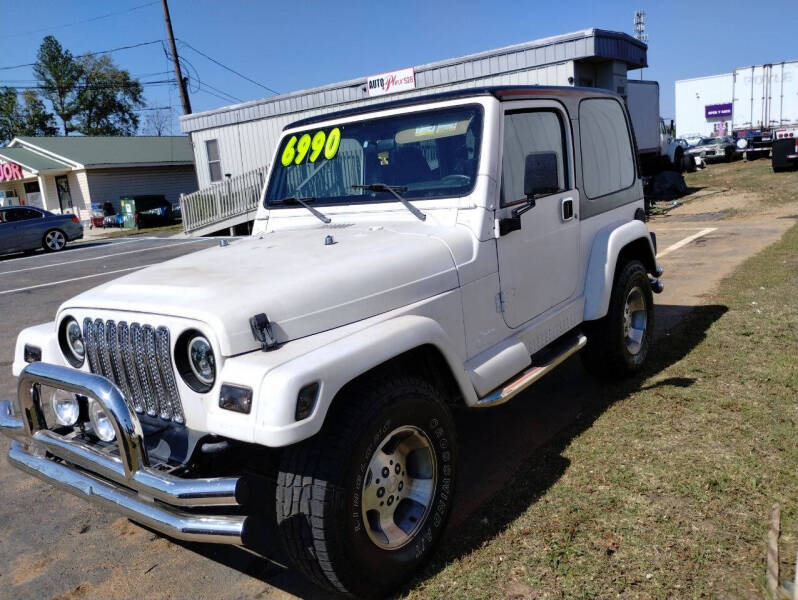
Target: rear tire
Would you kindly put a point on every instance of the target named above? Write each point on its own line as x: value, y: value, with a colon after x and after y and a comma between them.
x: 54, y: 240
x: 619, y: 343
x: 333, y: 494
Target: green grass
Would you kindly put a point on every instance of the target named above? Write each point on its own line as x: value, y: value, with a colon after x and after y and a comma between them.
x: 664, y: 485
x: 748, y: 177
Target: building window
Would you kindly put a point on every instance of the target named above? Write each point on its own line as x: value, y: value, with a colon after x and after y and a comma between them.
x: 608, y: 162
x: 214, y: 163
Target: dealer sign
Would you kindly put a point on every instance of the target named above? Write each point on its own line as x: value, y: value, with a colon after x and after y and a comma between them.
x: 9, y: 171
x: 394, y: 81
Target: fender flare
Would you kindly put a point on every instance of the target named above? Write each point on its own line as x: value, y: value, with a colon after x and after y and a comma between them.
x: 335, y: 365
x: 607, y: 245
x: 42, y: 336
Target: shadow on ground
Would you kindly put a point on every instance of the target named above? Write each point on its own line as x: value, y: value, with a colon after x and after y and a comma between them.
x: 512, y: 454
x: 66, y: 250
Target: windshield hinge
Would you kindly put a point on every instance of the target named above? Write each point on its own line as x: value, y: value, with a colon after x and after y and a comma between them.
x: 262, y: 330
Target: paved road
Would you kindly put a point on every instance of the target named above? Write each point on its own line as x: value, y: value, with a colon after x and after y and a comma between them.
x: 56, y: 546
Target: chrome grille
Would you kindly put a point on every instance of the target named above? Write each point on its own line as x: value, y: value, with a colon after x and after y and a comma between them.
x: 138, y: 359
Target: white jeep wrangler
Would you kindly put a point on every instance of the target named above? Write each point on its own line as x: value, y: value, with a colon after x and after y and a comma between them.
x: 406, y: 258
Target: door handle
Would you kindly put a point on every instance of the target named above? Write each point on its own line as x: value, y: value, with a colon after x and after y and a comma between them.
x: 567, y: 209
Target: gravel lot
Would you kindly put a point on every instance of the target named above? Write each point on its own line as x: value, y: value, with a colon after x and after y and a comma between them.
x: 56, y: 546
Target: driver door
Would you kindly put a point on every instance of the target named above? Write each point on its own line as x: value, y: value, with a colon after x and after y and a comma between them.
x: 539, y: 255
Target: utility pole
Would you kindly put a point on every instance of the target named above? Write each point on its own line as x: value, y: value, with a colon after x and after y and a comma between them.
x: 181, y: 83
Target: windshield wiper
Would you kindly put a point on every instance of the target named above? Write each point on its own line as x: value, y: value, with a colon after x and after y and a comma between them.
x: 321, y: 217
x: 393, y: 189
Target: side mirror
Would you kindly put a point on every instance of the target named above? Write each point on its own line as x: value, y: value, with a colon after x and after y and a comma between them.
x: 540, y: 174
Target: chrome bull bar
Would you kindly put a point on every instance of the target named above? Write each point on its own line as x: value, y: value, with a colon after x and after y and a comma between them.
x: 126, y: 483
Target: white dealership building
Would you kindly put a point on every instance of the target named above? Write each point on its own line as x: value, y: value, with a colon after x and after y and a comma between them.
x: 240, y: 138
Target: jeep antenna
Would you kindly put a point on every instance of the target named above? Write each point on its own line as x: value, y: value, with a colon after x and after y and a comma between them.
x: 640, y: 30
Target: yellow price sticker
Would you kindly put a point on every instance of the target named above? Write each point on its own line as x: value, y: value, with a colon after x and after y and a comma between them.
x: 297, y: 149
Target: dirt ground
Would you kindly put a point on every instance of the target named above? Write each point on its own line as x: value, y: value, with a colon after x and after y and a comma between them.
x: 55, y: 546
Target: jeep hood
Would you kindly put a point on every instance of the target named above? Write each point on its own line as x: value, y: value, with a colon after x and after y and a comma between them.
x: 303, y: 285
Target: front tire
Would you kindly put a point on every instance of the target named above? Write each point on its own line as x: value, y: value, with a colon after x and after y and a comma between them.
x: 54, y: 241
x: 619, y: 343
x: 362, y: 504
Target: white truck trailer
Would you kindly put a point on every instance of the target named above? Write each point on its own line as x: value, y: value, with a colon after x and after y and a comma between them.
x: 655, y: 141
x: 764, y: 106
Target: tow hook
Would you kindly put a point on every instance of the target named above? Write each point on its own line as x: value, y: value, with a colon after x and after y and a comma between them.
x: 656, y: 285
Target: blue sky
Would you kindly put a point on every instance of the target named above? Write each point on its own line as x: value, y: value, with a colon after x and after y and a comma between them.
x: 288, y: 46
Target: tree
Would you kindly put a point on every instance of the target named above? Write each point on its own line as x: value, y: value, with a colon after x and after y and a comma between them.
x: 108, y: 98
x: 158, y: 122
x: 32, y: 118
x: 58, y: 74
x: 36, y: 119
x: 9, y: 114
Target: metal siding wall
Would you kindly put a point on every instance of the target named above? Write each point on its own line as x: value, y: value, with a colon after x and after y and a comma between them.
x: 108, y: 185
x: 257, y: 139
x: 534, y: 54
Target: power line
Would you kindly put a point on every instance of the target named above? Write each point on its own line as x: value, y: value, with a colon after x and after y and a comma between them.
x: 34, y: 81
x: 113, y: 14
x: 213, y: 60
x: 89, y: 54
x: 215, y: 89
x: 95, y: 86
x: 220, y: 97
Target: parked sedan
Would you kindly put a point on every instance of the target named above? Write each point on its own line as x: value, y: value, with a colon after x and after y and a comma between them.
x: 27, y: 228
x: 716, y: 148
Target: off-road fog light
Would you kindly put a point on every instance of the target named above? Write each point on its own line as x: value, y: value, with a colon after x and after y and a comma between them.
x: 236, y: 398
x: 101, y: 422
x: 66, y: 407
x: 306, y: 401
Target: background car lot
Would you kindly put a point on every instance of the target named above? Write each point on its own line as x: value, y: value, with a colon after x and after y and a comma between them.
x: 56, y: 545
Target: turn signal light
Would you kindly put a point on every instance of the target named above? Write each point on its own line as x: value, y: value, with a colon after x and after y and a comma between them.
x: 306, y: 401
x: 32, y: 353
x: 236, y: 398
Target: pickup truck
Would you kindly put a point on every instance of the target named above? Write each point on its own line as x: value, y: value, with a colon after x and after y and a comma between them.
x: 408, y: 258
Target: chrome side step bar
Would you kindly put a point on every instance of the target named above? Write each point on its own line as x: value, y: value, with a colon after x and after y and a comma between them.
x: 514, y: 387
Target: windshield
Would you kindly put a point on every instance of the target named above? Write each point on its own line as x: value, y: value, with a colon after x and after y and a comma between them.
x: 710, y: 141
x: 432, y: 154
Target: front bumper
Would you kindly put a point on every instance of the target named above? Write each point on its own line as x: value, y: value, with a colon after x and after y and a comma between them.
x: 121, y: 479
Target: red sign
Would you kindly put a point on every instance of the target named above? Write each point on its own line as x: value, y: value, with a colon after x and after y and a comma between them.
x: 9, y: 171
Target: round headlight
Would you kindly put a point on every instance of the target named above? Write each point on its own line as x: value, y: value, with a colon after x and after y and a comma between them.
x: 71, y: 340
x: 201, y: 359
x: 101, y: 423
x: 742, y: 143
x: 65, y: 407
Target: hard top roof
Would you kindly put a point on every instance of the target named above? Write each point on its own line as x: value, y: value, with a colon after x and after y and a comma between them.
x: 506, y: 92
